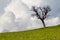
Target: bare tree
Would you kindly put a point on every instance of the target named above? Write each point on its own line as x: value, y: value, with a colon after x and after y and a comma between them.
x: 41, y: 13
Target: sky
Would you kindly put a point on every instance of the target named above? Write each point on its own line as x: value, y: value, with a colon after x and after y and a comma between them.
x: 15, y: 15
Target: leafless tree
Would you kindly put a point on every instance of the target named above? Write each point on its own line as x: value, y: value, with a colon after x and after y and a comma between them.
x: 41, y: 13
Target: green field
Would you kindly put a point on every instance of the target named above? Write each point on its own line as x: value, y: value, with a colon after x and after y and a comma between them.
x: 49, y: 33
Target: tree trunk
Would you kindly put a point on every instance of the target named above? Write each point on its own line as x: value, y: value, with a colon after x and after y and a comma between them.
x: 43, y: 23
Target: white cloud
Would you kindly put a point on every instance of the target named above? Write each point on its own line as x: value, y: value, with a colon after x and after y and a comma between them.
x: 52, y: 21
x: 30, y: 3
x: 7, y: 20
x: 18, y: 18
x: 17, y: 7
x: 15, y: 17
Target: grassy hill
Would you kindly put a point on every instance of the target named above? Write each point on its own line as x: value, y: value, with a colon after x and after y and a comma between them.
x: 49, y: 33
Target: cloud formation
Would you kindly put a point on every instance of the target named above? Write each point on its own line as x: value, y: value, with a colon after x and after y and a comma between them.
x: 17, y: 17
x: 3, y: 4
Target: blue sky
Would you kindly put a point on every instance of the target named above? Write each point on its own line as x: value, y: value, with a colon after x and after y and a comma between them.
x: 15, y: 14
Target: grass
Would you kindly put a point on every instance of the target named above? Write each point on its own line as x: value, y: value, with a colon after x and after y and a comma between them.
x: 49, y: 33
